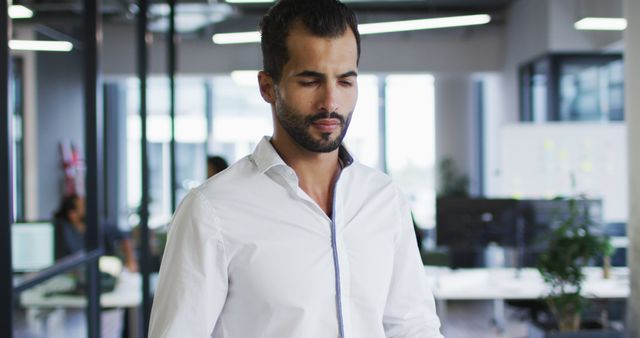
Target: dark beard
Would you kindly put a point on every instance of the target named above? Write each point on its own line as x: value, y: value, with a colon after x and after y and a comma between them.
x: 298, y: 126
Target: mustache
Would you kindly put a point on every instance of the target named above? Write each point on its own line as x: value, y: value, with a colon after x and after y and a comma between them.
x: 325, y: 115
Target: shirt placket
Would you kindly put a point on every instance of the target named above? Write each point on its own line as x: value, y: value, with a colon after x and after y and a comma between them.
x: 341, y: 271
x: 336, y: 247
x: 340, y: 256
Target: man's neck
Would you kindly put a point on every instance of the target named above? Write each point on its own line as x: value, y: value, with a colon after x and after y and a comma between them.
x: 317, y: 172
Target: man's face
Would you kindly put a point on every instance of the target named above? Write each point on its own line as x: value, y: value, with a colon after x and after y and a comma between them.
x: 317, y: 92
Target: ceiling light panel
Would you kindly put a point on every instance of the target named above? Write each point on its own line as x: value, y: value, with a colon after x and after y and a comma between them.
x: 19, y: 12
x: 601, y: 24
x: 374, y: 28
x: 39, y: 45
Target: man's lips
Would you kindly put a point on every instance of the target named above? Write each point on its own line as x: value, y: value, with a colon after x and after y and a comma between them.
x: 326, y: 125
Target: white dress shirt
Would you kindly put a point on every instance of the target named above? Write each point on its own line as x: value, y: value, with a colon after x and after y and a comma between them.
x: 251, y: 255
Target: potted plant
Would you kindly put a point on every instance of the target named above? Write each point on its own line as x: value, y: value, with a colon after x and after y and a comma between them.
x: 452, y: 182
x: 571, y: 246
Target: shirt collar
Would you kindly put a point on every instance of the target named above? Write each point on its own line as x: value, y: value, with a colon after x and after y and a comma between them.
x: 266, y: 157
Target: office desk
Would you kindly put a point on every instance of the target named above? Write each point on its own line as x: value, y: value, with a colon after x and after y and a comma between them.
x: 126, y: 294
x: 500, y: 284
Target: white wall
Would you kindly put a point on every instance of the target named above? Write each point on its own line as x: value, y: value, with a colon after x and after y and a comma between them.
x: 454, y: 130
x: 563, y: 14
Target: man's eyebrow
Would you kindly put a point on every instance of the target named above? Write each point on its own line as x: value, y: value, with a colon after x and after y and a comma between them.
x: 311, y: 73
x: 348, y: 74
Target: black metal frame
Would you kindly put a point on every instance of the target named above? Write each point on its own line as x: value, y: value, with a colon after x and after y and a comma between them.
x: 171, y: 67
x: 6, y: 198
x: 142, y: 60
x: 94, y: 156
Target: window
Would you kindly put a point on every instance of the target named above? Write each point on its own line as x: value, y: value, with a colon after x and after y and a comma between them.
x: 363, y: 137
x: 190, y: 136
x: 240, y: 117
x: 410, y: 143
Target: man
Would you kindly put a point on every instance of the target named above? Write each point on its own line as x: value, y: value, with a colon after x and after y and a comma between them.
x: 297, y: 240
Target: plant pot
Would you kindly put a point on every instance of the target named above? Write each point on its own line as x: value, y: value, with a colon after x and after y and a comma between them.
x: 535, y: 331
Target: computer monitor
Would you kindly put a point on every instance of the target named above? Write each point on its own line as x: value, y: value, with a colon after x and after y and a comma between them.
x: 541, y: 217
x: 32, y: 247
x: 466, y: 226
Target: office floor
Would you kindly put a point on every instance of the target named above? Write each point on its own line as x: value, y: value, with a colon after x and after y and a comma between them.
x: 466, y: 319
x: 474, y: 319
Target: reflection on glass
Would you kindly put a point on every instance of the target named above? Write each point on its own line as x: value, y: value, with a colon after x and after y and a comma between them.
x: 539, y: 97
x: 410, y: 122
x: 16, y: 89
x: 539, y: 84
x: 591, y: 91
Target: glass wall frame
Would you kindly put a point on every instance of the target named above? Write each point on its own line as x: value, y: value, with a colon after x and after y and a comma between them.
x: 572, y: 87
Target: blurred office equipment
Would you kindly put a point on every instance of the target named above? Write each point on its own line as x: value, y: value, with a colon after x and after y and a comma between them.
x: 475, y: 229
x: 468, y: 225
x: 32, y: 246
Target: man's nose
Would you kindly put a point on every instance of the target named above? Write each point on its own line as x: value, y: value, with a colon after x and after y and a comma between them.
x: 329, y: 100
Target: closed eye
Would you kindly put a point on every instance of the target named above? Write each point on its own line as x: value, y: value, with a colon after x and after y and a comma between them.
x: 308, y: 83
x: 346, y: 83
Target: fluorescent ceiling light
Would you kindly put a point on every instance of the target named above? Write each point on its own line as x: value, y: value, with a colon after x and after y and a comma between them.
x: 601, y: 24
x: 231, y: 38
x: 45, y: 46
x: 420, y: 24
x: 374, y: 28
x: 248, y: 1
x: 20, y: 12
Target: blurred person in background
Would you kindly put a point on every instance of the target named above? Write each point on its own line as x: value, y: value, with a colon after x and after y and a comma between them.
x: 70, y: 227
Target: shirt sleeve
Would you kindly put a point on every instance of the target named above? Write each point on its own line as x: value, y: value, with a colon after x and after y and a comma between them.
x: 410, y: 311
x: 193, y: 282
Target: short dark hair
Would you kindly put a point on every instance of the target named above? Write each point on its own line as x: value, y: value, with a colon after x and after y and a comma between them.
x: 324, y: 18
x: 217, y: 162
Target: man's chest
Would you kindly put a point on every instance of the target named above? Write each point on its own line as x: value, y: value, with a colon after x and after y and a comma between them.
x: 294, y: 258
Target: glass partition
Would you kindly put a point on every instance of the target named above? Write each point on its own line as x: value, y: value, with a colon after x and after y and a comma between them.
x: 572, y: 87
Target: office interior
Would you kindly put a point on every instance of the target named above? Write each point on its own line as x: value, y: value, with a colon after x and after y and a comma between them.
x: 484, y: 127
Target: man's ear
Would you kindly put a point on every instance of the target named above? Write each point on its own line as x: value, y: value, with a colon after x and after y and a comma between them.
x: 267, y: 87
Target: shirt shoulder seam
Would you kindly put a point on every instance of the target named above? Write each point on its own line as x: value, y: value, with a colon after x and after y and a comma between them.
x: 214, y: 221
